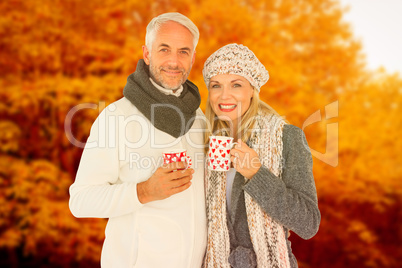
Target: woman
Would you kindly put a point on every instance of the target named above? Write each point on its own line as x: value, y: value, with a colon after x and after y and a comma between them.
x: 270, y: 190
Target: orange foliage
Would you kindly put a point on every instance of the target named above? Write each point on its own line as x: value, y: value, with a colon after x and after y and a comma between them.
x: 56, y: 55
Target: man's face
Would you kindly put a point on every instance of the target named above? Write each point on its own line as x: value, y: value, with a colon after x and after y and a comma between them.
x: 171, y: 56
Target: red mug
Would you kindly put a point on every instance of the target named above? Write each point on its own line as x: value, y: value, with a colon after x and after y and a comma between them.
x: 177, y: 155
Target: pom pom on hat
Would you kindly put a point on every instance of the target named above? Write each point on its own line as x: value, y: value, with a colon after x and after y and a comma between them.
x: 236, y: 59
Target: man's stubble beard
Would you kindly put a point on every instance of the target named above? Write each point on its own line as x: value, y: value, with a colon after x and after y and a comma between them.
x: 155, y: 74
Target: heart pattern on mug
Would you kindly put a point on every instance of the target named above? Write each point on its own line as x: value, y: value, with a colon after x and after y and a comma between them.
x: 219, y: 153
x: 177, y: 157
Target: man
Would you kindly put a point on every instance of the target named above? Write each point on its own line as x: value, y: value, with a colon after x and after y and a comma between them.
x: 156, y: 212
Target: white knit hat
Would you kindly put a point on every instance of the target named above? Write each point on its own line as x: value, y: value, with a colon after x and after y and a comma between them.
x: 236, y: 59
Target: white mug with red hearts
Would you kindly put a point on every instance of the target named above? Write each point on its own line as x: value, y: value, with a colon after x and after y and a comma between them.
x: 177, y: 155
x: 219, y: 153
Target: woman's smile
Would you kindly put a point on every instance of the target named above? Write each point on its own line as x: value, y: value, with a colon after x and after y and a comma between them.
x: 227, y: 107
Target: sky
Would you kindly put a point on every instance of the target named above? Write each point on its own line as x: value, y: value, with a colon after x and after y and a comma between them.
x: 378, y: 25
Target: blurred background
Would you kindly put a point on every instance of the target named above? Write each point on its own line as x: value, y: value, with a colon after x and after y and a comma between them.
x: 55, y: 55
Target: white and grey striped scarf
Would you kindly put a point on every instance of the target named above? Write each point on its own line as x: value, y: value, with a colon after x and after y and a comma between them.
x: 267, y: 236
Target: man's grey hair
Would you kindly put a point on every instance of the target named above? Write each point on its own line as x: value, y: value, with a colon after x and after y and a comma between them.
x: 155, y: 24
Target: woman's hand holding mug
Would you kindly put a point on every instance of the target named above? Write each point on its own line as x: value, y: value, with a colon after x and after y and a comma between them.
x: 245, y: 160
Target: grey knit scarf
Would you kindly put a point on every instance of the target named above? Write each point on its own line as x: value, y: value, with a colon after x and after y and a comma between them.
x: 170, y: 114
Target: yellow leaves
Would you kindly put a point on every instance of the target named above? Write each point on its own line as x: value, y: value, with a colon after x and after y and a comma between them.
x: 34, y: 158
x: 34, y: 211
x: 52, y: 182
x: 10, y: 134
x: 375, y: 106
x: 362, y: 231
x: 10, y: 238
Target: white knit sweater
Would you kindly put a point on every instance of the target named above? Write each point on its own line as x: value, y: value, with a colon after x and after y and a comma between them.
x: 122, y: 150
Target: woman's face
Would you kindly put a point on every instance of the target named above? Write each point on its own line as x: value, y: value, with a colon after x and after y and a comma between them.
x: 230, y: 96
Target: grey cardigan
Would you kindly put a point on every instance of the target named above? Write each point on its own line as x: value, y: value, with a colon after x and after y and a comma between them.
x: 290, y: 200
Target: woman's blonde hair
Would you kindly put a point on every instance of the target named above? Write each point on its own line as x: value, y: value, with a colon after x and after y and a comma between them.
x: 218, y: 127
